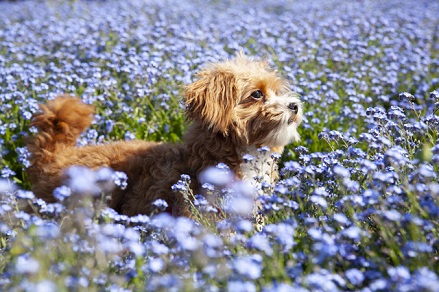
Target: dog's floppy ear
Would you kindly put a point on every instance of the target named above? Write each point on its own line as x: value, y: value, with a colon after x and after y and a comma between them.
x: 211, y: 99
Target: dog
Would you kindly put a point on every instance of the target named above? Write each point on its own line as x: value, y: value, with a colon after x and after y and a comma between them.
x: 234, y: 107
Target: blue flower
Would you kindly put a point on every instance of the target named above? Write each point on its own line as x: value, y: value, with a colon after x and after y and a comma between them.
x: 283, y: 287
x: 412, y: 249
x: 165, y: 282
x: 139, y: 219
x: 321, y: 192
x: 163, y: 221
x: 434, y: 95
x: 352, y: 232
x: 185, y: 177
x: 180, y: 186
x: 156, y: 265
x: 47, y: 231
x: 217, y: 176
x: 426, y: 172
x: 355, y: 276
x: 241, y: 205
x: 264, y: 149
x: 407, y: 96
x: 320, y: 281
x: 248, y: 157
x: 248, y: 266
x: 276, y: 156
x: 424, y: 279
x: 61, y: 193
x: 341, y: 218
x: 27, y: 195
x: 160, y: 204
x: 45, y: 285
x: 27, y: 265
x: 399, y: 273
x: 23, y: 156
x: 82, y: 180
x: 397, y: 113
x: 7, y: 172
x: 284, y: 234
x: 318, y: 200
x: 241, y: 286
x: 109, y: 125
x: 244, y: 226
x: 392, y: 215
x: 260, y: 242
x: 301, y: 150
x: 341, y: 171
x: 213, y: 245
x: 129, y: 136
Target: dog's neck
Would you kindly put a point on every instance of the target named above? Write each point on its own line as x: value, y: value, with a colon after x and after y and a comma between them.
x: 205, y: 148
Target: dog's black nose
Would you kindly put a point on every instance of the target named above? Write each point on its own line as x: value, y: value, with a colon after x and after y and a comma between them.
x: 294, y: 107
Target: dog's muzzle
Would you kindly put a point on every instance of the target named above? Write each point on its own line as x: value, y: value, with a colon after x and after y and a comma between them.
x: 295, y: 109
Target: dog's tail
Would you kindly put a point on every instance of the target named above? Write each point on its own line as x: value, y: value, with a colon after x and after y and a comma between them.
x: 59, y: 125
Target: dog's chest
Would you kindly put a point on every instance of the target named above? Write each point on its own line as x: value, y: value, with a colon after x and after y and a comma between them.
x: 258, y: 166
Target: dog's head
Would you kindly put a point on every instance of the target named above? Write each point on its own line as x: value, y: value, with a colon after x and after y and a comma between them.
x: 246, y: 99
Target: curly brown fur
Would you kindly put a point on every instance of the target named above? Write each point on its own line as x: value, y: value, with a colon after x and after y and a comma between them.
x: 227, y: 119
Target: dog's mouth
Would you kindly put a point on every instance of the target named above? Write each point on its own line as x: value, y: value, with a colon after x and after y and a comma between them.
x: 292, y: 119
x: 288, y: 117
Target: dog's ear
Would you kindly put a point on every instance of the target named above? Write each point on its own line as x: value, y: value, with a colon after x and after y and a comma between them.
x: 211, y: 99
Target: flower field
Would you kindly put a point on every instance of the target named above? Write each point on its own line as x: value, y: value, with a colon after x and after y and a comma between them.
x: 357, y: 205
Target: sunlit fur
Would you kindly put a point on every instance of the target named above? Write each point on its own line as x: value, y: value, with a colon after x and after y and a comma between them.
x: 226, y: 123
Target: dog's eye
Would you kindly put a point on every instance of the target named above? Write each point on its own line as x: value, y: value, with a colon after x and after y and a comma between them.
x: 257, y: 94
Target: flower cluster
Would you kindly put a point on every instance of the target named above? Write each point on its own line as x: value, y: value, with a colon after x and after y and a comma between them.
x: 357, y: 202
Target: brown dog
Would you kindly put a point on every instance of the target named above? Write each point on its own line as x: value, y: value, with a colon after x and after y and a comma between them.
x: 235, y: 107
